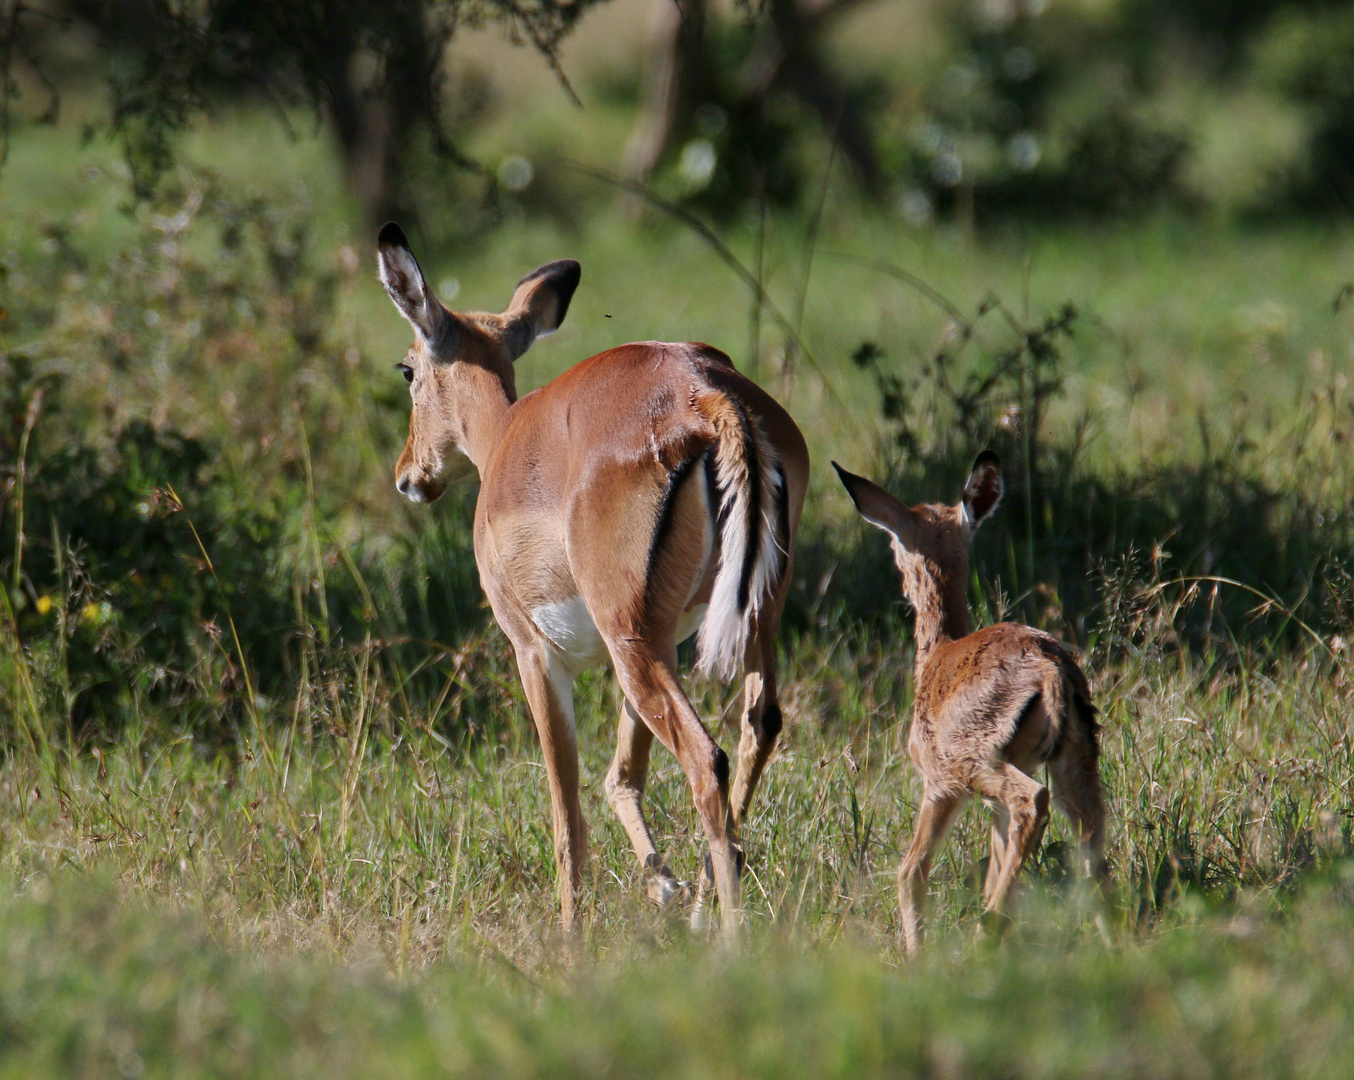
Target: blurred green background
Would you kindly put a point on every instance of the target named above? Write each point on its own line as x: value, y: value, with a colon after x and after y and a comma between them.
x: 1107, y: 238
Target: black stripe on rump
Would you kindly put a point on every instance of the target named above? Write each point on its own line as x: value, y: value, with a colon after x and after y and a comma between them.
x: 664, y: 524
x: 783, y: 517
x: 1083, y: 715
x: 754, y: 505
x: 712, y: 494
x: 1035, y: 701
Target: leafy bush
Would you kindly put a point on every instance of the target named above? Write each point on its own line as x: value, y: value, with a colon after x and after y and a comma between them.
x: 1310, y: 57
x: 178, y: 526
x: 1229, y: 547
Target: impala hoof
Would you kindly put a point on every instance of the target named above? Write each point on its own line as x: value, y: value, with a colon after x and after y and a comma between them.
x: 662, y: 886
x: 666, y: 891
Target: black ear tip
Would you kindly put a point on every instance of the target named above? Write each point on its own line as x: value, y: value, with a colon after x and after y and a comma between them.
x: 570, y: 274
x: 987, y: 458
x: 564, y: 274
x: 391, y: 235
x: 850, y: 481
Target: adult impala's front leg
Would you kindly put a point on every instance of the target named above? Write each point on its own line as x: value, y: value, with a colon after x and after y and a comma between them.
x: 550, y: 696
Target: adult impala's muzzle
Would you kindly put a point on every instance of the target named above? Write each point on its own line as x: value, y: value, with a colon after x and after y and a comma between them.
x: 415, y: 483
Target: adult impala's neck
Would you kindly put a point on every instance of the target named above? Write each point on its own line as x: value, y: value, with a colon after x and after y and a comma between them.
x: 487, y: 395
x: 941, y: 604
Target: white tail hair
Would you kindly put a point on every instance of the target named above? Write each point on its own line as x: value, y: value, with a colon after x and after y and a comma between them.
x: 748, y: 496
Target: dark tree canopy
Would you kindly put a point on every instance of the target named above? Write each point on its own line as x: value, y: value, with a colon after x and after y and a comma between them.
x: 375, y: 68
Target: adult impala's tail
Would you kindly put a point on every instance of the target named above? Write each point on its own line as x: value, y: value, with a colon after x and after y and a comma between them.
x: 750, y: 505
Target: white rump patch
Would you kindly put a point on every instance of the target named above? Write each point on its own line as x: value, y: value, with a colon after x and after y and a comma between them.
x: 571, y: 630
x: 689, y: 621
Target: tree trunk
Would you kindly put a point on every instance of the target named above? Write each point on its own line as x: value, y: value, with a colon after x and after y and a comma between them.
x: 798, y: 67
x: 676, y: 80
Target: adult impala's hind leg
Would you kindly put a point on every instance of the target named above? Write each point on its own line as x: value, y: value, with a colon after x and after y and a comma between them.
x: 761, y: 717
x: 625, y: 793
x: 649, y: 682
x: 550, y: 696
x: 1026, y: 803
x: 759, y: 729
x: 937, y: 811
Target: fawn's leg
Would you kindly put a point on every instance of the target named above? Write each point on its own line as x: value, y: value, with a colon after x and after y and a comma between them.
x: 1077, y: 793
x: 937, y: 811
x: 1001, y: 820
x: 1026, y: 801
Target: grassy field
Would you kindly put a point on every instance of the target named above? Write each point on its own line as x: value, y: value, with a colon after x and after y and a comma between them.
x: 269, y: 800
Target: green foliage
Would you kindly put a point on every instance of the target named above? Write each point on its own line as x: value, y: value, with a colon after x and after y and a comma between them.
x: 1251, y: 552
x: 736, y: 148
x: 155, y: 567
x: 1308, y: 55
x: 1005, y: 129
x: 174, y: 63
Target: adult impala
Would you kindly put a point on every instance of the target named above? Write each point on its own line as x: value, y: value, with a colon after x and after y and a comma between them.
x: 647, y: 491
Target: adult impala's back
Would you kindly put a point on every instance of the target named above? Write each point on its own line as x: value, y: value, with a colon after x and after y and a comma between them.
x: 646, y: 491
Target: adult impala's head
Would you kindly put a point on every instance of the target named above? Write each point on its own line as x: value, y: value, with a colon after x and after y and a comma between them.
x: 460, y: 366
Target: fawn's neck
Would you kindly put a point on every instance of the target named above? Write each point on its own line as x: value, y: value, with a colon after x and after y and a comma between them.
x: 942, y: 613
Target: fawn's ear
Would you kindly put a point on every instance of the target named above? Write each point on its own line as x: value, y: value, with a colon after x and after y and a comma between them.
x: 403, y: 281
x: 539, y: 304
x: 983, y: 490
x: 878, y: 507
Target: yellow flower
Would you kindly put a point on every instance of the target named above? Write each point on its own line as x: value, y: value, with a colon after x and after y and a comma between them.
x: 96, y: 614
x: 43, y: 604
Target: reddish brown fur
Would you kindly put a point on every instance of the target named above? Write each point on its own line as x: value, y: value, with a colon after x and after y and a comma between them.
x: 992, y: 706
x: 592, y: 512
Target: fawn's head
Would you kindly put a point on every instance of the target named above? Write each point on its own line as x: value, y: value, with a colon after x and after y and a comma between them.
x: 452, y: 353
x: 931, y: 541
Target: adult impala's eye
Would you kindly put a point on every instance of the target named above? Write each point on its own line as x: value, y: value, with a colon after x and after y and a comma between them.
x: 407, y: 370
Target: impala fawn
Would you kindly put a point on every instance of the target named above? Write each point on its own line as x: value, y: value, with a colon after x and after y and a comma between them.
x: 991, y: 706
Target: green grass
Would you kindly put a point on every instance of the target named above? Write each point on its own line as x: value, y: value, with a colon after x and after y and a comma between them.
x: 378, y: 833
x: 99, y: 986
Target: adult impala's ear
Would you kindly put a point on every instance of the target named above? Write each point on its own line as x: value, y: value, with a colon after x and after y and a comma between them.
x: 878, y: 507
x: 983, y: 490
x: 539, y: 304
x: 403, y: 280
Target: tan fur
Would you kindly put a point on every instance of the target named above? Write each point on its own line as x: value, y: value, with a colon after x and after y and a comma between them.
x: 992, y: 706
x: 574, y: 481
